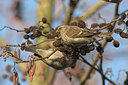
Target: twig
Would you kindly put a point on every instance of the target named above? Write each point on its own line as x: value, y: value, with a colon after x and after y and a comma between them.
x: 72, y: 7
x: 51, y: 77
x: 96, y: 58
x: 11, y: 29
x: 7, y: 46
x: 97, y: 70
x: 99, y: 16
x: 92, y: 10
x: 15, y: 56
x: 101, y: 63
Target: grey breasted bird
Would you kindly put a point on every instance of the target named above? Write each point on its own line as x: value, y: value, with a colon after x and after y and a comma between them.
x: 77, y: 36
x: 57, y: 60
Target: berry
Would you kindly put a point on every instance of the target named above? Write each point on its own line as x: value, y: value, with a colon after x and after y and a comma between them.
x: 27, y: 30
x: 123, y: 15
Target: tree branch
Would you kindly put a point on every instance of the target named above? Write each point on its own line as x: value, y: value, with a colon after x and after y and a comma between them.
x: 96, y: 58
x: 93, y: 9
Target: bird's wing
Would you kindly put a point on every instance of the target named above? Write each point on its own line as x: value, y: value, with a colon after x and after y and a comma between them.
x: 76, y: 32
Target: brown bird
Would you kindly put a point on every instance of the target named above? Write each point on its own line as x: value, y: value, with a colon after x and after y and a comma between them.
x: 77, y: 36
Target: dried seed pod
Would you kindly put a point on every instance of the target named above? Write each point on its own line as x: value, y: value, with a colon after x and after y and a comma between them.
x: 26, y: 36
x: 44, y: 20
x: 120, y: 21
x: 118, y: 30
x: 30, y: 65
x: 8, y: 68
x: 123, y: 15
x: 18, y: 53
x: 81, y: 24
x: 15, y: 53
x: 124, y: 35
x: 23, y: 46
x: 100, y: 49
x: 15, y: 78
x: 27, y: 30
x: 94, y: 25
x: 109, y: 39
x: 32, y: 71
x: 74, y: 24
x: 37, y: 33
x: 5, y: 76
x: 110, y: 27
x: 57, y: 43
x: 127, y: 23
x: 116, y: 43
x: 32, y: 36
x: 31, y: 28
x: 102, y: 24
x: 23, y: 79
x: 11, y: 78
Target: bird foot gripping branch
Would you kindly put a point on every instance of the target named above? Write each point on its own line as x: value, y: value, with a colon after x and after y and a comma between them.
x: 69, y: 42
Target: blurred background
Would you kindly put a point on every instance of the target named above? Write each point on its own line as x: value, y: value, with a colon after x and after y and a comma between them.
x: 20, y: 14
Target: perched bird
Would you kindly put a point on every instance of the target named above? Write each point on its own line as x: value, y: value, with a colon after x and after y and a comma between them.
x: 77, y: 36
x: 52, y: 57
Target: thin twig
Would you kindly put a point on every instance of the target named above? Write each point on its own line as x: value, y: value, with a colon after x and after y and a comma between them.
x: 11, y: 29
x: 96, y: 58
x: 68, y: 15
x: 99, y: 16
x: 97, y: 70
x: 101, y: 69
x: 14, y: 56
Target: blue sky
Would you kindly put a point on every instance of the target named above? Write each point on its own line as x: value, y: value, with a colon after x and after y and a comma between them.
x: 118, y: 55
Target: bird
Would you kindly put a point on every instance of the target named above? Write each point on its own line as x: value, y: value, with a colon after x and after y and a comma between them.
x: 74, y: 35
x: 52, y: 57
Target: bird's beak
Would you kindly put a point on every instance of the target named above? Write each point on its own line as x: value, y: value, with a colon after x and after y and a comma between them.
x: 58, y: 29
